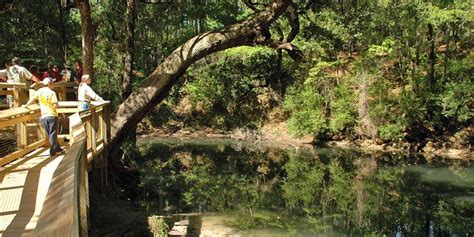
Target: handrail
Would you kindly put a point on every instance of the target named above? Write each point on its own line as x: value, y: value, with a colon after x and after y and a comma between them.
x: 12, y: 84
x: 13, y: 89
x: 20, y: 94
x: 19, y: 117
x: 96, y: 121
x: 62, y: 88
x: 66, y: 206
x: 65, y: 210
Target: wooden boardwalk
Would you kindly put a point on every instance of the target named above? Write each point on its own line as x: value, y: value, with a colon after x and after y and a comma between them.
x: 43, y: 195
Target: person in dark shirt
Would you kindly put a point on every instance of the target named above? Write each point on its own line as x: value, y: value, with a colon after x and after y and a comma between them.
x: 51, y: 72
x: 78, y: 71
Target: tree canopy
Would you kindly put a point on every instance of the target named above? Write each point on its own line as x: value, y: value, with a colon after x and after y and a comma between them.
x: 380, y: 69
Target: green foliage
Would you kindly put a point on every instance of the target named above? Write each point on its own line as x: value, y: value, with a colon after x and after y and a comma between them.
x: 384, y: 49
x: 343, y: 116
x: 307, y: 115
x: 391, y: 131
x: 410, y: 93
x: 158, y: 226
x: 323, y: 104
x: 231, y: 92
x: 457, y: 100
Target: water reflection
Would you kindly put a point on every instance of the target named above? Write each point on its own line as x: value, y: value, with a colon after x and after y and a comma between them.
x: 309, y: 191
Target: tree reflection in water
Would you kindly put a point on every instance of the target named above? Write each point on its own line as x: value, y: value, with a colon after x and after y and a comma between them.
x: 314, y: 190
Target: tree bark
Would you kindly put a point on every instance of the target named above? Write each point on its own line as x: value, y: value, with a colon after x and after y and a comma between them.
x: 87, y: 31
x: 129, y: 49
x: 62, y: 31
x: 253, y: 31
x: 432, y: 54
x: 366, y: 127
x: 7, y: 5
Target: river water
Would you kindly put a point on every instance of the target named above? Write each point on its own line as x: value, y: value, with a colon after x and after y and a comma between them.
x: 249, y: 189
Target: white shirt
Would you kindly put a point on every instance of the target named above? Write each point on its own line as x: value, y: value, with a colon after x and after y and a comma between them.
x: 85, y: 93
x: 18, y: 74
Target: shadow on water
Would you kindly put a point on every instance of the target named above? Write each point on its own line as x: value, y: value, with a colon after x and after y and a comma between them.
x: 248, y: 189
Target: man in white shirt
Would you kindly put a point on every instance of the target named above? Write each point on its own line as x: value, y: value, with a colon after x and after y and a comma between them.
x: 85, y: 92
x: 18, y: 74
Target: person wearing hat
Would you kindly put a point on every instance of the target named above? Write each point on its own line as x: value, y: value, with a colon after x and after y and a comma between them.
x: 48, y: 102
x: 67, y: 74
x: 19, y: 74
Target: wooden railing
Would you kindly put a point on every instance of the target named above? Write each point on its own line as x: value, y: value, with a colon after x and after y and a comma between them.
x: 20, y: 92
x: 66, y: 206
x: 17, y: 120
x: 70, y: 217
x: 65, y: 209
x: 17, y: 90
x: 96, y: 121
x: 63, y: 89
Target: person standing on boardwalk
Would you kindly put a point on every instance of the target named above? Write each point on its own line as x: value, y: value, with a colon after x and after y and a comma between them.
x: 85, y: 92
x: 18, y: 74
x: 48, y: 102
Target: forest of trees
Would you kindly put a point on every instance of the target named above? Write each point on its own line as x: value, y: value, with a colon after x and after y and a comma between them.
x: 384, y: 69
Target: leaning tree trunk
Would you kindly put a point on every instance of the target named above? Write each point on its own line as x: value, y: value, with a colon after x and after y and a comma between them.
x: 254, y: 31
x: 87, y: 32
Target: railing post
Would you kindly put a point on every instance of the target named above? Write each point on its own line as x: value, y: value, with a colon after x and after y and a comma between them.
x: 93, y: 133
x: 107, y: 123
x: 16, y: 97
x: 23, y: 134
x: 63, y: 91
x: 40, y: 130
x: 88, y: 134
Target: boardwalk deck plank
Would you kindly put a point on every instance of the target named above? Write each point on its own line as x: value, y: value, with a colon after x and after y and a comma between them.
x: 24, y: 185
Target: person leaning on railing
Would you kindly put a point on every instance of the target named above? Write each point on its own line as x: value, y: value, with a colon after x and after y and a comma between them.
x: 49, y: 115
x: 18, y: 74
x: 85, y: 93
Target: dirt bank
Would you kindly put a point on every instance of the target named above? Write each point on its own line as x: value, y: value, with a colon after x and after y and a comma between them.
x: 457, y: 146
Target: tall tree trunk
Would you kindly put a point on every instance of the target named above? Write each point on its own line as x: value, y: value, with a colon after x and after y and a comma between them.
x: 87, y: 31
x: 62, y: 30
x: 128, y: 62
x: 432, y: 54
x: 129, y: 49
x: 366, y: 126
x: 254, y: 31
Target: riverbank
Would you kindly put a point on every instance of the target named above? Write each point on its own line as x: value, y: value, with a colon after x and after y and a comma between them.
x: 457, y: 146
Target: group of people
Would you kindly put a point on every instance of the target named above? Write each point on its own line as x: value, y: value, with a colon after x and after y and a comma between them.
x: 47, y: 98
x: 14, y: 68
x: 15, y: 73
